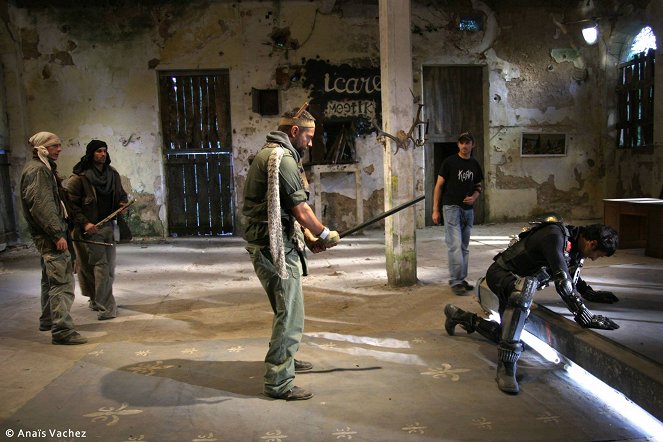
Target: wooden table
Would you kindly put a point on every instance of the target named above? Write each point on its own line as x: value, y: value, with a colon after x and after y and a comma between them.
x: 639, y: 222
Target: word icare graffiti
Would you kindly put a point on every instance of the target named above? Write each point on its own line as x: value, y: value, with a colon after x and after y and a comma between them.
x: 344, y: 93
x: 356, y: 85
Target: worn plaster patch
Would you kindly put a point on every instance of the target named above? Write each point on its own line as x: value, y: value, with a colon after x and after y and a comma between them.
x: 504, y: 181
x: 30, y: 43
x: 568, y: 55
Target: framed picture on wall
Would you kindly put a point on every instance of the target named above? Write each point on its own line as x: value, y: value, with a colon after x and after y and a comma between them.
x: 542, y: 144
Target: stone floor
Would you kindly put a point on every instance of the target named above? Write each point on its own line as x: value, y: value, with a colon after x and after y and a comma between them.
x: 183, y: 361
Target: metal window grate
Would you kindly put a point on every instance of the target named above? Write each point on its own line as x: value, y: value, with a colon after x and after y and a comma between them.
x: 635, y: 101
x: 197, y: 144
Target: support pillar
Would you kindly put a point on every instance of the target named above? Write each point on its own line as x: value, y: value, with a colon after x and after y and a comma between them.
x: 397, y: 114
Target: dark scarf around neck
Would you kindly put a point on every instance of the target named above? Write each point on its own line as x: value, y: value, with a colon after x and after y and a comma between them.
x: 103, y: 180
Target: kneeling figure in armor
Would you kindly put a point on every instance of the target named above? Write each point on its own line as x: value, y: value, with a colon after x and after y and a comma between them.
x: 548, y: 252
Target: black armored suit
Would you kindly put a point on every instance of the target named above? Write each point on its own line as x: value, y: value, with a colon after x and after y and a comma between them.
x: 547, y: 252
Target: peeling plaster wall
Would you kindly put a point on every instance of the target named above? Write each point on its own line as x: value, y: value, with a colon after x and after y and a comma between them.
x: 98, y: 66
x: 91, y: 72
x: 236, y: 36
x: 88, y: 82
x: 541, y: 79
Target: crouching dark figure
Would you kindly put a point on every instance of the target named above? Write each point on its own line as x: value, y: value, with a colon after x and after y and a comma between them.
x: 549, y: 252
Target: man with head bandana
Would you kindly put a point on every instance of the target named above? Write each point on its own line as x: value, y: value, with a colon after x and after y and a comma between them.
x: 46, y: 215
x: 280, y: 222
x: 95, y: 191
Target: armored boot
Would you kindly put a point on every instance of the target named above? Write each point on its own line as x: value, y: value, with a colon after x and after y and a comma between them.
x: 513, y: 321
x: 456, y: 316
x: 508, y: 354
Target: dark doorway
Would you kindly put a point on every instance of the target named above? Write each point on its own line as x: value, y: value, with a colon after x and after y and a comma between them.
x: 440, y: 152
x: 453, y: 100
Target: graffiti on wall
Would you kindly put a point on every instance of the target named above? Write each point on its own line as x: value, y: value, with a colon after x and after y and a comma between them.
x: 343, y: 93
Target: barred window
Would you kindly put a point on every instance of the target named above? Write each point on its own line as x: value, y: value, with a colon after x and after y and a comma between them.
x: 635, y: 93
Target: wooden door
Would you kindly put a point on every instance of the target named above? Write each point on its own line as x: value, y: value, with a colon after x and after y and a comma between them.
x: 453, y: 103
x: 195, y: 118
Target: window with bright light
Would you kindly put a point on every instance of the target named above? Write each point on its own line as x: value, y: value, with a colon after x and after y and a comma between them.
x: 470, y: 23
x: 642, y: 42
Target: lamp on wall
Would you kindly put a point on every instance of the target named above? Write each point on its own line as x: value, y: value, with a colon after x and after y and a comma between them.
x: 590, y: 33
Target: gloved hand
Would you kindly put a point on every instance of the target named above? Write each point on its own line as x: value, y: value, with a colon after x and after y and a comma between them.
x: 601, y: 296
x: 585, y: 318
x: 332, y: 239
x: 598, y: 322
x: 315, y: 244
x: 582, y: 315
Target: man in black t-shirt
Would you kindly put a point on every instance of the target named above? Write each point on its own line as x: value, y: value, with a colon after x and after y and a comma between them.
x: 457, y: 188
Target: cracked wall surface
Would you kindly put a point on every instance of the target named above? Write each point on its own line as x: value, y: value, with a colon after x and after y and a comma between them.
x: 90, y: 71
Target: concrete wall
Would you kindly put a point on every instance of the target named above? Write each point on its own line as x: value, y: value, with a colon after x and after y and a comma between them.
x: 88, y: 72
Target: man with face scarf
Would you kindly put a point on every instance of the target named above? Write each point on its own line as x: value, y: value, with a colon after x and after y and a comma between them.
x: 46, y: 215
x: 95, y: 191
x: 280, y: 222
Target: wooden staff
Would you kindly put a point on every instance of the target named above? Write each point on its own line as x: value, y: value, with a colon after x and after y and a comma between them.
x: 114, y: 214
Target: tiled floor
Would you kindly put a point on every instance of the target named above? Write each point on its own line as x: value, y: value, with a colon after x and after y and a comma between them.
x: 183, y: 361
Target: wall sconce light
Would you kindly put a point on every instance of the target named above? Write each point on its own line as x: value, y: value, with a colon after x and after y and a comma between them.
x: 590, y: 33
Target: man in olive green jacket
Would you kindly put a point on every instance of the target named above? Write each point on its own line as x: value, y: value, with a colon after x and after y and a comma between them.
x: 46, y: 214
x: 280, y: 222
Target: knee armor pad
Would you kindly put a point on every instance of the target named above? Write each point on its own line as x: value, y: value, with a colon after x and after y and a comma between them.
x: 523, y: 293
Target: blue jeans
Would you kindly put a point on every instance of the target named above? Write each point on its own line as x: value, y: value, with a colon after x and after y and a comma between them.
x: 458, y: 224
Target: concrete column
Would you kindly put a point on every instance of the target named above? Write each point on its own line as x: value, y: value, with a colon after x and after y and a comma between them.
x: 14, y: 104
x: 397, y: 114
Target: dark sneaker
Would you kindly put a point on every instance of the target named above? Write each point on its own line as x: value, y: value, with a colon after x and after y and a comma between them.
x: 105, y: 318
x: 296, y: 394
x: 458, y: 289
x: 45, y: 327
x: 302, y: 366
x: 467, y: 286
x: 73, y: 339
x: 92, y: 305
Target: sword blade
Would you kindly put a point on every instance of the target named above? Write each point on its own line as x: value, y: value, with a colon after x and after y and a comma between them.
x: 381, y: 216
